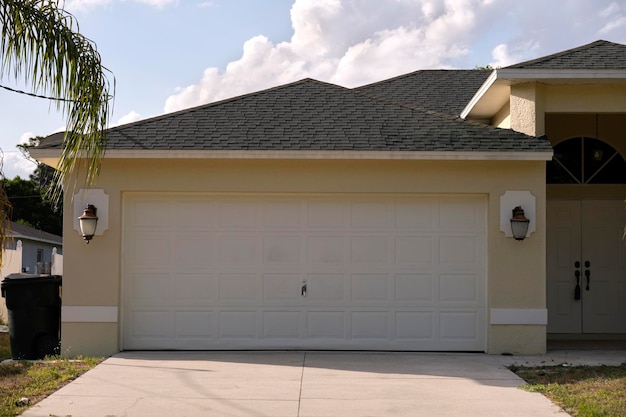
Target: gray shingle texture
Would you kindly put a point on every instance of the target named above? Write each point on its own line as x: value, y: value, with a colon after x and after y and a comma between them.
x: 444, y: 91
x: 312, y: 115
x: 598, y: 55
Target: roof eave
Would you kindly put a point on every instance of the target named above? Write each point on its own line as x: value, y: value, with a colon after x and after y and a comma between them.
x: 495, y: 92
x: 48, y: 156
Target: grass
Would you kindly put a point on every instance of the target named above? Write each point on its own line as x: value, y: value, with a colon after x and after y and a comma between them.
x: 34, y: 380
x: 582, y: 391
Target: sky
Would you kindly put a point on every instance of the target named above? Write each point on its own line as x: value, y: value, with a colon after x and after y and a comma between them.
x: 168, y: 55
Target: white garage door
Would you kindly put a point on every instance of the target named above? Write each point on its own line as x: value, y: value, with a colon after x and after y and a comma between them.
x: 382, y: 272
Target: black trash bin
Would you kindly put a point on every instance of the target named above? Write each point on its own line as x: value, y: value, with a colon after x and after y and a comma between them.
x: 34, y: 310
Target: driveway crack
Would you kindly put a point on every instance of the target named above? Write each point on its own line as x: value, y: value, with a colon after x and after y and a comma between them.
x: 301, y: 383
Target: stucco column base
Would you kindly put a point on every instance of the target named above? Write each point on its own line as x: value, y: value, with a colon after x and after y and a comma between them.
x: 89, y: 339
x: 517, y: 339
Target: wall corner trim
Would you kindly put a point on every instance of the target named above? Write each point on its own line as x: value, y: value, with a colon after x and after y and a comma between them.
x: 524, y: 316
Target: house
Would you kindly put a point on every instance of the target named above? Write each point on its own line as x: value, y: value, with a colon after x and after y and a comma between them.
x: 312, y: 216
x: 30, y: 251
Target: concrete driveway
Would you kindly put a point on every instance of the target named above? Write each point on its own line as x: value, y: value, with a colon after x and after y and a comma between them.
x: 301, y: 384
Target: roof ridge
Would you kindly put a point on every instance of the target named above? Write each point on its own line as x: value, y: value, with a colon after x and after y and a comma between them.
x: 222, y: 101
x: 566, y: 52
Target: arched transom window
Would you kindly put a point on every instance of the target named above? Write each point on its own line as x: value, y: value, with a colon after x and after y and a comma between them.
x: 586, y: 161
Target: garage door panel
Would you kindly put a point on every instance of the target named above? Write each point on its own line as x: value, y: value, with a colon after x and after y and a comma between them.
x: 282, y: 214
x: 415, y: 250
x: 194, y: 324
x: 326, y: 288
x: 195, y: 214
x: 415, y: 325
x: 328, y: 325
x: 282, y: 287
x: 242, y: 324
x: 151, y: 288
x: 195, y: 288
x: 370, y: 325
x: 459, y: 289
x: 282, y: 250
x: 371, y: 215
x: 368, y: 288
x: 414, y: 288
x: 239, y: 214
x: 239, y: 288
x: 324, y: 250
x: 239, y: 250
x: 381, y: 272
x: 150, y: 250
x: 194, y: 251
x: 460, y: 325
x: 326, y: 214
x: 460, y: 251
x: 370, y: 249
x: 416, y: 215
x: 282, y: 324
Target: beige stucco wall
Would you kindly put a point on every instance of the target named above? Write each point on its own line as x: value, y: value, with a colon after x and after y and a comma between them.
x: 527, y: 106
x: 531, y: 102
x: 516, y: 270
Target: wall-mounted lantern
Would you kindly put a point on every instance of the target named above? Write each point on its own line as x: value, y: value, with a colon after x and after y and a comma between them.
x: 519, y: 224
x: 523, y: 223
x: 88, y: 222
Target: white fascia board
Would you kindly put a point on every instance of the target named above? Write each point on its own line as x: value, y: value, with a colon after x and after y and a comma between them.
x: 508, y: 76
x: 362, y: 155
x: 519, y: 74
x: 480, y: 93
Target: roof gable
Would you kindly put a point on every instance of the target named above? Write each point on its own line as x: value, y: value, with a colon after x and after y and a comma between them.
x: 598, y: 55
x: 20, y: 231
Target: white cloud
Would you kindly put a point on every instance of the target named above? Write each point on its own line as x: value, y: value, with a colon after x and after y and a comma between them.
x: 354, y: 42
x: 348, y: 42
x: 91, y: 4
x: 25, y: 137
x: 130, y: 117
x: 14, y: 164
x: 157, y: 3
x: 207, y: 4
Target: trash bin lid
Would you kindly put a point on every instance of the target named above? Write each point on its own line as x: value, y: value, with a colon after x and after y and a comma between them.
x: 29, y: 279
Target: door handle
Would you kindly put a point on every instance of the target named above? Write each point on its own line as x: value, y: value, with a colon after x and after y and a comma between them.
x: 577, y: 290
x: 303, y: 290
x: 588, y: 276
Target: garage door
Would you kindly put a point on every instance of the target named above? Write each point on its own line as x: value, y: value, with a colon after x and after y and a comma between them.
x: 382, y: 272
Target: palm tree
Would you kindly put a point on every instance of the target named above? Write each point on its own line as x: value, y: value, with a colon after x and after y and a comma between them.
x: 41, y: 46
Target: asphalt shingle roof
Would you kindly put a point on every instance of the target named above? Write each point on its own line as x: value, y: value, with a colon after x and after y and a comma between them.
x: 312, y: 115
x: 598, y: 55
x: 26, y: 232
x: 444, y: 91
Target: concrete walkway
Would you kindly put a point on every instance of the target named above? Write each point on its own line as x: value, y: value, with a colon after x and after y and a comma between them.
x: 309, y: 384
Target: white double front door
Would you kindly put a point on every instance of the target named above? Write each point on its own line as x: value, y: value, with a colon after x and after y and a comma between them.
x: 586, y: 266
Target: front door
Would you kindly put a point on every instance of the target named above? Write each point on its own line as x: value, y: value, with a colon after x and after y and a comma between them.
x: 586, y: 266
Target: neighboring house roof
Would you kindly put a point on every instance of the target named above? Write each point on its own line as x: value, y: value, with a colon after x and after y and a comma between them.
x: 20, y: 231
x: 310, y: 115
x: 598, y: 55
x: 445, y: 91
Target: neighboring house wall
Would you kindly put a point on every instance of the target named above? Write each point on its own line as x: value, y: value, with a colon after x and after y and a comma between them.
x: 515, y: 271
x: 37, y: 257
x: 11, y: 264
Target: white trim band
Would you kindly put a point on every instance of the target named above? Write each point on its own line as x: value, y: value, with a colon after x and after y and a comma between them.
x: 54, y: 154
x: 89, y: 314
x: 528, y: 316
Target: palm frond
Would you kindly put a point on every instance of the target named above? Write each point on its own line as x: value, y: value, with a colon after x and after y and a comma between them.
x: 41, y: 45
